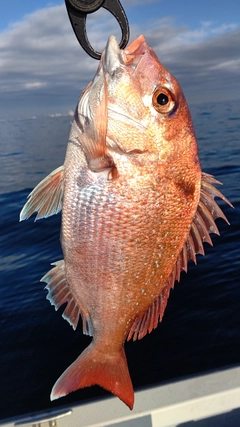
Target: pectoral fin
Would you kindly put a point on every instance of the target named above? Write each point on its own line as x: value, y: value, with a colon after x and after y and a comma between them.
x: 46, y: 197
x: 91, y: 129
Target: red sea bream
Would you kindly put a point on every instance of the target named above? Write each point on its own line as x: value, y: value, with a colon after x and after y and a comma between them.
x: 135, y: 208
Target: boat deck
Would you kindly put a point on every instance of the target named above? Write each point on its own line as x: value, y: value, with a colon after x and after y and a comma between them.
x: 209, y: 400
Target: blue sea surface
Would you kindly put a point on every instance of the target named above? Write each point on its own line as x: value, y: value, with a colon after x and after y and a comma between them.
x: 200, y: 330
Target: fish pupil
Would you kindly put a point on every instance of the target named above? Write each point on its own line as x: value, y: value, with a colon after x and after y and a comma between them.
x: 162, y: 99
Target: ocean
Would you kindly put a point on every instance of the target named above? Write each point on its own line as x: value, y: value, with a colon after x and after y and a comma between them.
x: 200, y: 330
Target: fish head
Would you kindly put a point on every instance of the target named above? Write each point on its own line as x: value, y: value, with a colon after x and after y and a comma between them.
x: 146, y: 108
x: 134, y: 105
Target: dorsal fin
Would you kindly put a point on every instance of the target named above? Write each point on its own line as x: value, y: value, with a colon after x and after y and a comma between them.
x: 203, y: 224
x: 59, y: 293
x: 46, y: 197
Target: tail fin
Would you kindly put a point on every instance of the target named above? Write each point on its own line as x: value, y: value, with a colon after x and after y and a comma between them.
x: 93, y: 367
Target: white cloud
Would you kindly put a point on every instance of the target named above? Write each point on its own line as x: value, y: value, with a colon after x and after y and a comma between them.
x: 34, y: 85
x: 233, y: 65
x: 223, y: 28
x: 205, y: 30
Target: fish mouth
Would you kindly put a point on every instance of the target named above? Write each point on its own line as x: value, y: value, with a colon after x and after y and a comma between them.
x: 114, y: 58
x: 114, y: 63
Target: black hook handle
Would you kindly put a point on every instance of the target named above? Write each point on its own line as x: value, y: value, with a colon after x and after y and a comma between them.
x: 77, y: 12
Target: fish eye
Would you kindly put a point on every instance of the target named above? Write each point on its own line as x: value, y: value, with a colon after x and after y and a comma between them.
x: 163, y: 100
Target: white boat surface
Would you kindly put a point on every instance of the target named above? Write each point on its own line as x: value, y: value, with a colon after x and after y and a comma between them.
x: 207, y: 400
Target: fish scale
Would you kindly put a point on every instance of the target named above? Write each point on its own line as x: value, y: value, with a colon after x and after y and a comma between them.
x: 136, y: 207
x: 101, y: 232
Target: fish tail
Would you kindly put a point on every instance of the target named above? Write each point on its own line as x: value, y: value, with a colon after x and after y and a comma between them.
x: 95, y: 367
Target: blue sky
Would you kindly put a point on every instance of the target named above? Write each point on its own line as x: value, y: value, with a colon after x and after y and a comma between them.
x: 43, y: 70
x: 186, y: 12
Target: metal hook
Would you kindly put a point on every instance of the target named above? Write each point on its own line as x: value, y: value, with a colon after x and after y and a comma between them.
x: 77, y: 12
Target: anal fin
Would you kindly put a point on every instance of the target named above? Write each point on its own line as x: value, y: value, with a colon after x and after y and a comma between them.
x: 46, y: 197
x: 60, y: 293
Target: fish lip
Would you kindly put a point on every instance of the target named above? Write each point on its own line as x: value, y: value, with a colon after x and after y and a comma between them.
x: 137, y: 47
x: 112, y: 56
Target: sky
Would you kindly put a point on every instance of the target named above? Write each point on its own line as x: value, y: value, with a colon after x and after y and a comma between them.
x: 43, y: 69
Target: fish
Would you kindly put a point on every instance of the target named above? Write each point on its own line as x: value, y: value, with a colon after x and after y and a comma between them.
x: 136, y: 207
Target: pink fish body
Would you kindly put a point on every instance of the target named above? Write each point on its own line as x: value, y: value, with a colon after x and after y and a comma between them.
x: 135, y: 208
